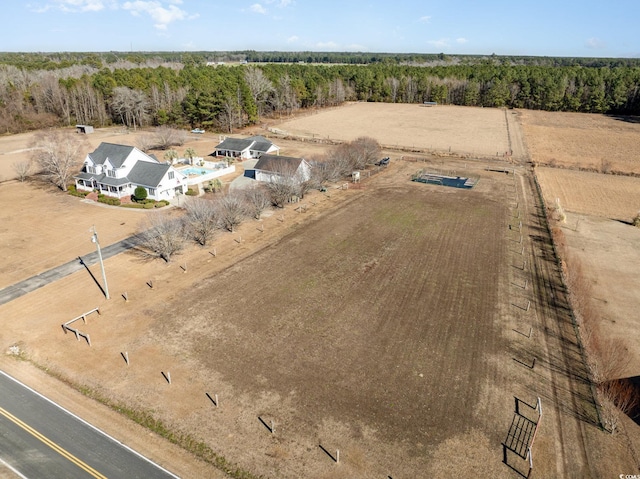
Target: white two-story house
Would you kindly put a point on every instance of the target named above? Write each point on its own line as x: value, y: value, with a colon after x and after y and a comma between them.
x: 117, y: 170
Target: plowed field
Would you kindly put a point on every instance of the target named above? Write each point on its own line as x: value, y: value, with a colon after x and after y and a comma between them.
x: 376, y: 323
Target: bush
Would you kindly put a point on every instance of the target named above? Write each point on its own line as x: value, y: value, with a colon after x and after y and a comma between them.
x: 74, y: 192
x: 161, y: 203
x: 191, y: 192
x: 140, y: 193
x: 108, y: 200
x: 636, y: 221
x: 148, y: 206
x: 133, y: 205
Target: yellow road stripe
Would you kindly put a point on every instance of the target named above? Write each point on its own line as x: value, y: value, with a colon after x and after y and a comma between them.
x: 52, y: 444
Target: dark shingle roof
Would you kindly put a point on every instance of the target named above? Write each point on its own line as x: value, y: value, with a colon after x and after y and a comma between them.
x: 262, y: 146
x: 107, y: 180
x: 234, y: 144
x: 278, y: 164
x: 115, y: 153
x: 148, y: 174
x: 257, y: 143
x: 86, y: 176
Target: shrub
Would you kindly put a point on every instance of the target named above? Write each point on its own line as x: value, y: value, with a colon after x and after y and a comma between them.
x: 191, y: 192
x: 140, y: 193
x: 148, y: 206
x: 74, y: 192
x: 636, y: 221
x: 133, y: 205
x: 161, y: 203
x: 108, y: 200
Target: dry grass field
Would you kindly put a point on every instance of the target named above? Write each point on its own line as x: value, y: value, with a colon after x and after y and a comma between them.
x: 383, y: 322
x: 580, y: 140
x: 609, y: 196
x: 480, y: 132
x: 608, y: 250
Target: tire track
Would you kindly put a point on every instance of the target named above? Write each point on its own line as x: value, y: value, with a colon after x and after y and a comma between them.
x: 559, y: 351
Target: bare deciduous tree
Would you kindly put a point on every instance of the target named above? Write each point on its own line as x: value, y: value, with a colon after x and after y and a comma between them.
x: 145, y: 142
x: 201, y: 219
x: 166, y: 137
x: 368, y: 151
x: 230, y: 115
x: 394, y: 84
x: 285, y: 182
x: 285, y: 97
x: 347, y: 157
x: 162, y: 236
x: 620, y: 397
x: 231, y: 210
x: 259, y: 86
x: 162, y: 138
x: 22, y: 169
x: 257, y: 200
x: 59, y: 155
x: 130, y: 106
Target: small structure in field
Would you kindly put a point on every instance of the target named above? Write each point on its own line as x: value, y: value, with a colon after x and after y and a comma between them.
x: 86, y: 129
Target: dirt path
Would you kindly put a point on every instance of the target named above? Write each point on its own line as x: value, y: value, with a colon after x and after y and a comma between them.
x: 516, y: 139
x: 560, y: 376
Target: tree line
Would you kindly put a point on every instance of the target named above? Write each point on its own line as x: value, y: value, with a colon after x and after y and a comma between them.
x: 136, y: 92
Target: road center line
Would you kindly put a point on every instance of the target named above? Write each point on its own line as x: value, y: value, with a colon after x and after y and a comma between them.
x: 67, y: 455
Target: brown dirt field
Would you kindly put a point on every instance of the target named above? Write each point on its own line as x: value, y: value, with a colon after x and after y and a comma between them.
x: 608, y: 251
x: 383, y: 323
x: 479, y: 132
x: 610, y: 196
x: 581, y: 140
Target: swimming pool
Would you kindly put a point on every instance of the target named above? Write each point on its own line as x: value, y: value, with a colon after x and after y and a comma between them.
x: 192, y: 170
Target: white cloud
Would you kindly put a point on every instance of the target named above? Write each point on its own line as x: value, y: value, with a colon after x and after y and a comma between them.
x: 356, y: 47
x: 440, y: 43
x: 461, y: 40
x: 257, y: 8
x: 280, y: 3
x: 425, y: 19
x: 73, y: 6
x: 327, y: 45
x: 160, y: 14
x: 292, y: 39
x: 594, y: 43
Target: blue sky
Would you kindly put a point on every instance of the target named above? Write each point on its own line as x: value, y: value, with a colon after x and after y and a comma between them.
x: 589, y: 28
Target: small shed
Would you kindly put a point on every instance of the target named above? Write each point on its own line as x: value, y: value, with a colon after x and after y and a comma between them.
x: 86, y: 129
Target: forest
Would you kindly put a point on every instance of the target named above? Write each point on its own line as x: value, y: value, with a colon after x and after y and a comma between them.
x: 229, y: 90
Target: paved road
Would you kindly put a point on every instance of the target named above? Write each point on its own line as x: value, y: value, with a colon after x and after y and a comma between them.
x: 30, y: 284
x: 39, y: 439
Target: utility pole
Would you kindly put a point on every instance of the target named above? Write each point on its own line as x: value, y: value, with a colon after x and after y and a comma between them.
x: 94, y: 238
